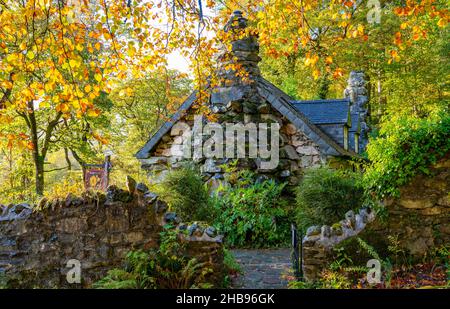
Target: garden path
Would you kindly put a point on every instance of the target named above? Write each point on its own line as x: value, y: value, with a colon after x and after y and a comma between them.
x: 262, y: 268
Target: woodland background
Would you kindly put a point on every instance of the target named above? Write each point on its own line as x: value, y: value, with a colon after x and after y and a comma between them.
x: 81, y: 77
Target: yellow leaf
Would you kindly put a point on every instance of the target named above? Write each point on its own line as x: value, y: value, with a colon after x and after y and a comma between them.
x: 88, y: 88
x: 11, y: 57
x: 49, y: 87
x: 98, y: 77
x: 442, y: 22
x: 73, y: 63
x: 316, y: 74
x: 93, y: 112
x: 64, y: 108
x: 30, y: 55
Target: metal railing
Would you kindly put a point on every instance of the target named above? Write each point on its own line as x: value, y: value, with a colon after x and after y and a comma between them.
x: 297, y: 252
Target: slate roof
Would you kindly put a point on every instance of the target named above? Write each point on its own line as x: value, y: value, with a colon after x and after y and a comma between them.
x: 324, y: 111
x: 281, y: 102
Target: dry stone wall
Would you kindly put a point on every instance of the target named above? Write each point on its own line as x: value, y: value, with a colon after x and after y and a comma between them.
x: 319, y: 241
x: 95, y: 229
x: 419, y: 220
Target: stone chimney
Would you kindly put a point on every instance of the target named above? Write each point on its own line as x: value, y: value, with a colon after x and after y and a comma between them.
x: 238, y: 70
x: 357, y: 92
x: 244, y: 52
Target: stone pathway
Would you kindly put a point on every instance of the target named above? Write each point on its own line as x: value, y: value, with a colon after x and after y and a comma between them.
x: 262, y: 268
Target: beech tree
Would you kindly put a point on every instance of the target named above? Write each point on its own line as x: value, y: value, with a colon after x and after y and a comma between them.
x: 58, y: 56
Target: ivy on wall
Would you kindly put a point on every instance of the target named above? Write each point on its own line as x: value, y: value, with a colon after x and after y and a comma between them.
x: 403, y: 149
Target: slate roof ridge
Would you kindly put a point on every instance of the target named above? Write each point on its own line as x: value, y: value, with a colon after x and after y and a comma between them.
x: 318, y: 101
x: 277, y: 94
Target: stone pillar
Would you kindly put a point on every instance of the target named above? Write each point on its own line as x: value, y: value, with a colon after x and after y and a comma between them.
x: 358, y: 93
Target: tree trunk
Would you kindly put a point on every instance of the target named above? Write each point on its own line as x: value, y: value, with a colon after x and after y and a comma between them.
x: 38, y: 160
x: 69, y: 163
x: 39, y: 176
x: 39, y: 156
x: 80, y: 162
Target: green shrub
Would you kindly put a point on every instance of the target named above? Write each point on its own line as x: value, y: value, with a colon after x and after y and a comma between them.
x: 403, y: 149
x: 232, y: 267
x: 252, y: 214
x: 186, y: 194
x: 230, y: 262
x: 3, y: 281
x: 302, y: 285
x: 324, y: 196
x: 165, y: 268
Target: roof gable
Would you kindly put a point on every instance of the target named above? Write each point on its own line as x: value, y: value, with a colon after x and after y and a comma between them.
x: 144, y: 152
x: 280, y: 101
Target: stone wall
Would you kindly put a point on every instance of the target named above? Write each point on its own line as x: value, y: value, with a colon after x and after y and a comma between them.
x: 420, y: 217
x: 297, y: 152
x: 97, y: 230
x: 419, y: 220
x: 319, y: 241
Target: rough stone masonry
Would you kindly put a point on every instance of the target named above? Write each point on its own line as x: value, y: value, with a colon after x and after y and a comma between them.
x: 95, y: 229
x: 419, y: 220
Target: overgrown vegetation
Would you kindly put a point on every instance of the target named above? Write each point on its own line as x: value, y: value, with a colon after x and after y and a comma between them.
x: 252, y: 213
x: 249, y: 212
x: 186, y: 194
x: 3, y: 281
x: 403, y: 149
x: 232, y: 267
x: 324, y: 195
x: 345, y: 272
x: 164, y: 268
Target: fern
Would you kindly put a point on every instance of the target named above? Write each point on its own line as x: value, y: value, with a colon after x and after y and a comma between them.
x: 369, y: 249
x: 166, y: 268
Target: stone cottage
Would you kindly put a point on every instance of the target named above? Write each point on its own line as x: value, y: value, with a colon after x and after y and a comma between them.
x: 309, y: 132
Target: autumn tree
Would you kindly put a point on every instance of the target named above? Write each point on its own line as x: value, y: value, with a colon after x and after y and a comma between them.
x: 140, y: 107
x: 58, y: 56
